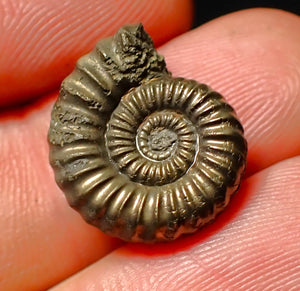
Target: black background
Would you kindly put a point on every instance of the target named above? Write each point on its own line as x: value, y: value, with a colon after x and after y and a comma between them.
x: 206, y: 10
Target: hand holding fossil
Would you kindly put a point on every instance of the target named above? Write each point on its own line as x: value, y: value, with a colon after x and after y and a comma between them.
x: 249, y: 56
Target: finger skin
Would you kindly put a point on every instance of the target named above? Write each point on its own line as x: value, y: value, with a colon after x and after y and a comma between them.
x: 26, y: 176
x: 253, y: 60
x: 42, y: 239
x: 259, y: 250
x: 41, y: 40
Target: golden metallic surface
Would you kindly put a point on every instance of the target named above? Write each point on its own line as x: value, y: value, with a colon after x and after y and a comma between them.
x: 141, y: 155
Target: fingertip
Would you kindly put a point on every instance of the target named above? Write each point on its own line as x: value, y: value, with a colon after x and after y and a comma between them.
x: 253, y: 61
x: 41, y: 41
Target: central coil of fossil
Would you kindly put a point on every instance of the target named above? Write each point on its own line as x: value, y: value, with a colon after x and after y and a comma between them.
x: 151, y: 147
x: 142, y: 155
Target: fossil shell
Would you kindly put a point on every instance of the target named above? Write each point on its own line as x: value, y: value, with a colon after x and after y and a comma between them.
x: 142, y: 155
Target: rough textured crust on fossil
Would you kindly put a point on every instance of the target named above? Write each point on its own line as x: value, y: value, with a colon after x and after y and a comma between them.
x: 141, y: 155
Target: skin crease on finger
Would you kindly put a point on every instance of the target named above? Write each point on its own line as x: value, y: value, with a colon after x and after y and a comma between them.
x: 41, y: 39
x: 36, y: 217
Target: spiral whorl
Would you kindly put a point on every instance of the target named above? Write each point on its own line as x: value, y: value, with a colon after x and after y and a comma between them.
x: 141, y: 155
x: 150, y: 140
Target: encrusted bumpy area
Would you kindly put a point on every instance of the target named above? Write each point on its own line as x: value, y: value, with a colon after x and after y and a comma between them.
x: 142, y: 155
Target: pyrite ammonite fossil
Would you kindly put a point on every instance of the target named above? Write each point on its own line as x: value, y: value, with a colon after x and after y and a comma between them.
x: 142, y: 155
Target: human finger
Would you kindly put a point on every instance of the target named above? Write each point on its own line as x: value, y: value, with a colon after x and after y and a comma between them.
x: 184, y: 48
x: 41, y: 40
x: 42, y: 239
x: 257, y: 250
x: 253, y: 60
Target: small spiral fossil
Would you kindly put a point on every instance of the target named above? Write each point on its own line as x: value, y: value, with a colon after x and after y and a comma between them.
x: 142, y: 155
